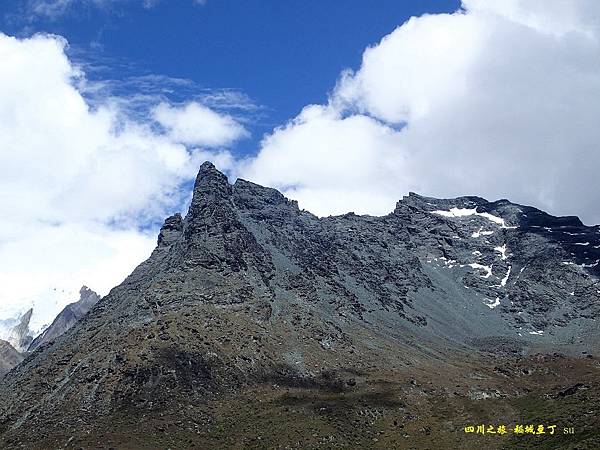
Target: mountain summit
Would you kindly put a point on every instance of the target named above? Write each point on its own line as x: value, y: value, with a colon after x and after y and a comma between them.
x: 255, y: 324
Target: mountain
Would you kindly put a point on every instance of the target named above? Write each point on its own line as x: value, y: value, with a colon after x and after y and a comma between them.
x: 9, y: 357
x: 255, y: 324
x: 20, y: 335
x: 67, y: 317
x: 6, y: 325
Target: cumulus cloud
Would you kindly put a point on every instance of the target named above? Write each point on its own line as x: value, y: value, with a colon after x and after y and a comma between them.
x: 77, y: 183
x: 325, y: 161
x: 499, y: 99
x: 195, y: 124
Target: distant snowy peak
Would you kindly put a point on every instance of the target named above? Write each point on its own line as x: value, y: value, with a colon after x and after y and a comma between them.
x: 20, y: 335
x: 67, y: 317
x: 46, y: 305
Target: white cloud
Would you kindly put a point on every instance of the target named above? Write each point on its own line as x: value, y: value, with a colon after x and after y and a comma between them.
x: 326, y: 161
x: 76, y: 183
x: 53, y: 9
x: 195, y: 124
x: 556, y: 17
x: 500, y: 99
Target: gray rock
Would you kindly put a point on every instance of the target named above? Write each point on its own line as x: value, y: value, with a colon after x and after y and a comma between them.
x: 9, y: 357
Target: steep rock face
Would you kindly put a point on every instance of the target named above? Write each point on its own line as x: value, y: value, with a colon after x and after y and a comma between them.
x: 67, y: 317
x: 535, y: 272
x: 9, y: 357
x: 20, y: 336
x: 249, y: 290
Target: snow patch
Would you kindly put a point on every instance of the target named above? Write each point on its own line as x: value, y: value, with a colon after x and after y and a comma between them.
x: 456, y: 212
x: 488, y: 269
x: 591, y: 265
x: 505, y: 279
x: 492, y: 218
x: 502, y: 251
x: 480, y: 233
x: 494, y: 304
x: 465, y: 212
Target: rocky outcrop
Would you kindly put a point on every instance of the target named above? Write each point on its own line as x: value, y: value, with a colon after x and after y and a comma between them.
x: 248, y: 293
x: 9, y: 357
x: 170, y: 230
x: 67, y: 317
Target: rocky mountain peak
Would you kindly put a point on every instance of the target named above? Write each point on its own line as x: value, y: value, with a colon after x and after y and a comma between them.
x: 249, y: 292
x: 211, y: 203
x: 87, y: 297
x: 211, y: 185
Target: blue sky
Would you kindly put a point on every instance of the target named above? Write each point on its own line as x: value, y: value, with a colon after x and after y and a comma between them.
x: 281, y: 54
